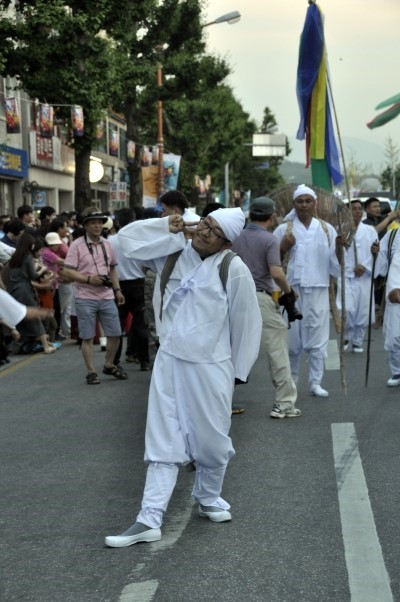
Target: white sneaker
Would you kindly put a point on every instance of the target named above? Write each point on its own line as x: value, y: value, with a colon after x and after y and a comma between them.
x: 357, y: 349
x: 394, y: 381
x: 215, y: 514
x: 346, y: 345
x: 136, y: 534
x: 318, y: 391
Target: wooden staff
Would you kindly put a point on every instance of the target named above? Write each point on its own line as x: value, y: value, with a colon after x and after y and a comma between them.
x: 370, y: 319
x: 343, y: 310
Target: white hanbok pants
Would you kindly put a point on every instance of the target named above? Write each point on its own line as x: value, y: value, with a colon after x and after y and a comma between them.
x: 357, y: 298
x: 391, y: 333
x: 189, y: 418
x: 311, y: 334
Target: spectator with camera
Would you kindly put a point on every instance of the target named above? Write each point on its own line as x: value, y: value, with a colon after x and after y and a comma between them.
x: 259, y: 249
x: 91, y: 264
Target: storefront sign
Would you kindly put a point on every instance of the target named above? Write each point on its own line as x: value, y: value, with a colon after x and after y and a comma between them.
x: 13, y: 162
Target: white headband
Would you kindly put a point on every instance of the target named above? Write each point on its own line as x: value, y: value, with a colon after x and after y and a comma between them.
x: 231, y: 221
x: 302, y: 190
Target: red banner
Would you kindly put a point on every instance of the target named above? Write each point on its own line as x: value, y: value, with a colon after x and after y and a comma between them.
x: 13, y: 120
x: 77, y: 120
x: 46, y: 121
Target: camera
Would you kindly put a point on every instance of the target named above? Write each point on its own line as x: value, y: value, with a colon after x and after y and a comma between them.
x: 287, y: 301
x: 107, y: 281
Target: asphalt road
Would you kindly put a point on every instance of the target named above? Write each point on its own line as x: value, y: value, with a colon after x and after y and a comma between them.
x: 314, y: 499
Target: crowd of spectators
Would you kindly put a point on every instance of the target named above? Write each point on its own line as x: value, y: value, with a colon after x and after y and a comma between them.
x: 33, y: 248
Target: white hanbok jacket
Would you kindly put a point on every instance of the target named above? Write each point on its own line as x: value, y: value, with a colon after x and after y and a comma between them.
x: 201, y: 322
x: 312, y: 259
x: 391, y: 322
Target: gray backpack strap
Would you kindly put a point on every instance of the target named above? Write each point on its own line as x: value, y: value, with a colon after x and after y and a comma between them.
x: 166, y: 273
x: 224, y: 267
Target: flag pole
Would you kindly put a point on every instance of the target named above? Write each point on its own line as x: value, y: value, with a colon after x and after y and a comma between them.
x: 342, y: 271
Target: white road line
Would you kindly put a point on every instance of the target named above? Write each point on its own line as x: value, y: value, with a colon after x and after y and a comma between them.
x: 139, y: 592
x: 368, y: 578
x: 332, y: 362
x: 143, y: 591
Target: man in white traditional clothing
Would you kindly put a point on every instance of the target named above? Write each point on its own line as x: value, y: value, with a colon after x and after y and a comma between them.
x: 12, y: 312
x: 391, y: 321
x: 312, y: 245
x: 210, y: 337
x: 358, y: 271
x: 172, y: 202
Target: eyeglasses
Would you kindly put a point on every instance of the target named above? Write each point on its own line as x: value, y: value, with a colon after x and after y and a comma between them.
x: 203, y: 225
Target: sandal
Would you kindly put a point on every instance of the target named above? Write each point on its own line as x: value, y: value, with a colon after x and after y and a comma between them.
x: 116, y: 372
x: 92, y: 379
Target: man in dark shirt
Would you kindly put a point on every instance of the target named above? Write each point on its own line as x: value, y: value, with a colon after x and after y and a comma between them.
x: 374, y: 218
x: 13, y: 230
x: 259, y: 249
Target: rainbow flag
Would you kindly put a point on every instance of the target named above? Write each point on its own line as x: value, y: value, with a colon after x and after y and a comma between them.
x: 313, y: 95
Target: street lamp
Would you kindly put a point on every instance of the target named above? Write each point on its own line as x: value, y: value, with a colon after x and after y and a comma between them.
x: 230, y: 18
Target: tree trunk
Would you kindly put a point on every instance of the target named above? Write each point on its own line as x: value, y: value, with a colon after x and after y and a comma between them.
x: 83, y: 197
x: 134, y: 169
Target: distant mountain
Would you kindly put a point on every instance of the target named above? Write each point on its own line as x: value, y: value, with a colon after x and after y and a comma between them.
x: 368, y: 154
x: 295, y: 173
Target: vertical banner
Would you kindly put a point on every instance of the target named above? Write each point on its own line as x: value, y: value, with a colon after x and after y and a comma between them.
x: 171, y: 171
x: 149, y: 178
x: 46, y: 121
x: 130, y: 151
x: 13, y: 120
x: 100, y: 130
x: 77, y: 120
x: 113, y: 142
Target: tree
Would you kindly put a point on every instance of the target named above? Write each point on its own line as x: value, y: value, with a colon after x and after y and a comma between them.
x: 57, y: 53
x: 104, y: 54
x: 391, y: 176
x: 252, y: 173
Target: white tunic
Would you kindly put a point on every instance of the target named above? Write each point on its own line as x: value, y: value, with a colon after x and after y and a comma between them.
x: 312, y: 259
x: 11, y: 310
x: 218, y: 325
x: 358, y: 288
x: 209, y: 335
x: 391, y: 322
x: 385, y: 254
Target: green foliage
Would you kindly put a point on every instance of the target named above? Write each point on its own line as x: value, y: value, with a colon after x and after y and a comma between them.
x: 106, y: 53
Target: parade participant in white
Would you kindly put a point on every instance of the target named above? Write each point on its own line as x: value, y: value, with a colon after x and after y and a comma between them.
x: 358, y: 268
x: 13, y: 312
x: 312, y: 248
x: 391, y: 322
x: 209, y: 336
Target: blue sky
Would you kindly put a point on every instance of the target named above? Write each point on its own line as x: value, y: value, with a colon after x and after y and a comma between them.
x: 363, y: 45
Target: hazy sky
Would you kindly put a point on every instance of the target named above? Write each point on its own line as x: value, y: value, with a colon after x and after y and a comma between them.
x: 363, y: 44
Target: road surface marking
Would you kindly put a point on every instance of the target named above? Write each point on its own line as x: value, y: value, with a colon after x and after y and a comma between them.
x: 20, y: 364
x: 368, y: 577
x: 332, y: 362
x: 143, y: 591
x: 139, y: 592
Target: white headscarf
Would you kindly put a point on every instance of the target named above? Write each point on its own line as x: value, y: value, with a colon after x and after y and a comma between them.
x: 303, y: 189
x: 231, y: 221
